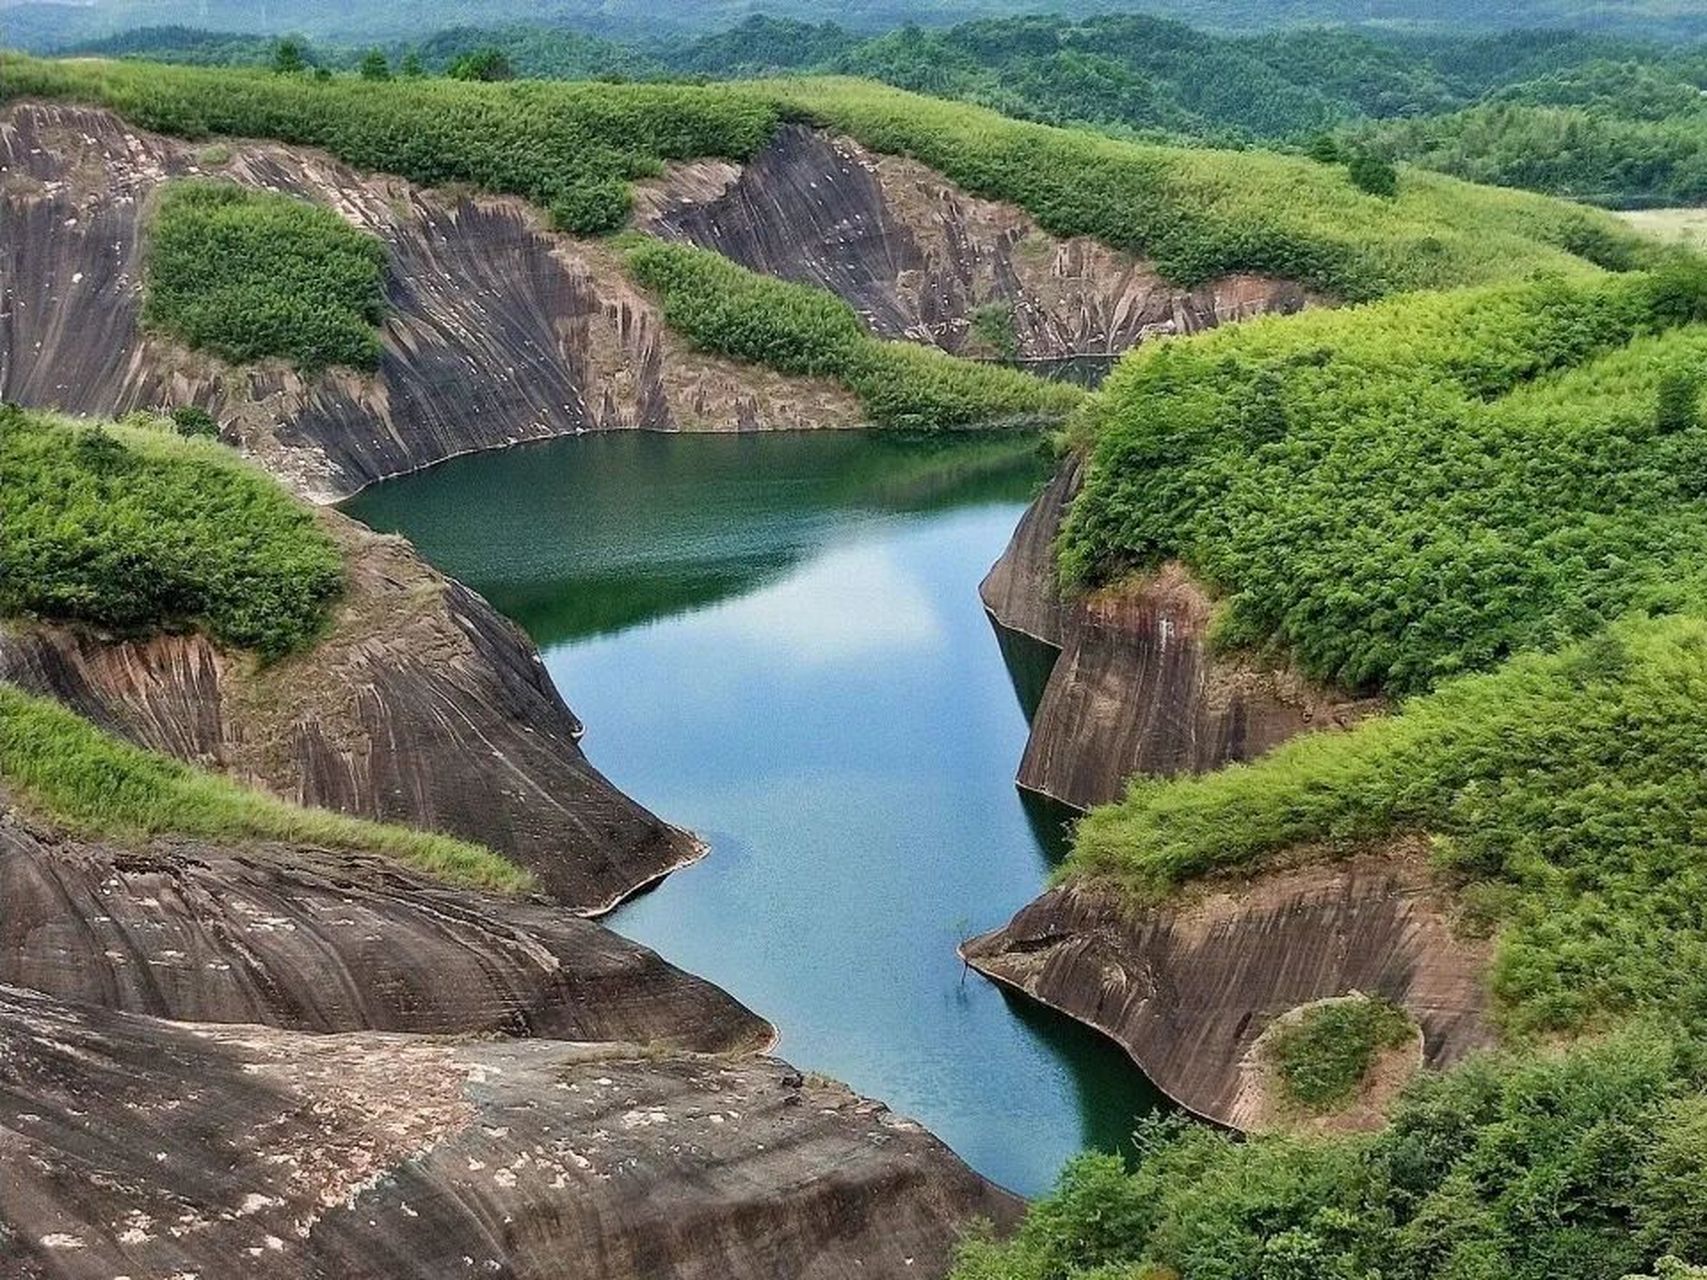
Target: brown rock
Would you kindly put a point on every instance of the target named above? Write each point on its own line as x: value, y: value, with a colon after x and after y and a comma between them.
x: 1136, y: 688
x: 151, y: 1149
x: 499, y: 329
x: 313, y: 940
x: 421, y: 706
x: 916, y: 256
x: 1187, y: 987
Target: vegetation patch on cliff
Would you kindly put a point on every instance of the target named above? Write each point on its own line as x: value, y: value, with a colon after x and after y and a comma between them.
x: 794, y: 328
x: 249, y: 274
x: 97, y: 784
x: 136, y: 530
x: 1323, y: 1055
x: 570, y: 148
x: 1200, y: 213
x: 1396, y: 493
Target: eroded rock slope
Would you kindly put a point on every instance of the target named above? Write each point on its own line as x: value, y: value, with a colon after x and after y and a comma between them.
x: 1136, y: 688
x: 313, y: 940
x: 1187, y: 987
x: 420, y: 706
x: 917, y: 256
x: 499, y: 330
x: 152, y: 1149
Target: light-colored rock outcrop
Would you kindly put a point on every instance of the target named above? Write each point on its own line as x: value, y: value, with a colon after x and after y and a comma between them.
x: 153, y: 1149
x: 499, y: 330
x: 917, y: 256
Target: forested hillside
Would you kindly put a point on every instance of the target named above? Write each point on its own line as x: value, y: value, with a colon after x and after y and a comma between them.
x: 1591, y: 115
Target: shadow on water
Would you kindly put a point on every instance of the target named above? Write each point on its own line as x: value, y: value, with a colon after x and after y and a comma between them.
x: 1029, y: 662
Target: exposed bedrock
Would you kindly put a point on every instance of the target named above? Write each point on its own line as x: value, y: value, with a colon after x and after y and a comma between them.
x: 917, y: 256
x: 314, y: 940
x: 152, y: 1149
x: 420, y: 706
x: 1136, y: 687
x: 1186, y: 987
x: 499, y: 330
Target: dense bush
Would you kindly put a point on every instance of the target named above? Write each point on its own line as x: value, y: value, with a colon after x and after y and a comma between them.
x: 1202, y: 213
x: 92, y: 782
x: 1588, y: 1165
x: 248, y: 274
x: 547, y: 142
x: 793, y: 328
x: 137, y: 531
x: 1396, y: 493
x: 1321, y: 1058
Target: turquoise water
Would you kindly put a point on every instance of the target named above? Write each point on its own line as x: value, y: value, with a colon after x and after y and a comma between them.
x: 777, y: 641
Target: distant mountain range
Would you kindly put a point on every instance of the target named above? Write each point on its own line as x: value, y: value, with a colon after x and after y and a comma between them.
x: 42, y: 27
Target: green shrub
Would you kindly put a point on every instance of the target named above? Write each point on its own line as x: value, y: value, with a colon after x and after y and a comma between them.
x: 1399, y: 492
x: 1321, y: 1058
x: 992, y: 330
x: 793, y: 328
x: 1373, y: 174
x: 1677, y: 404
x: 1506, y: 1168
x: 249, y: 274
x: 195, y: 422
x: 99, y: 785
x: 137, y: 531
x: 374, y: 65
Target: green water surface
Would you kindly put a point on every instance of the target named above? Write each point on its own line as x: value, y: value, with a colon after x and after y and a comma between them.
x: 776, y: 640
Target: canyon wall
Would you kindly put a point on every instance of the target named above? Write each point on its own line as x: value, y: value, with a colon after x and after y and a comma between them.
x: 917, y: 257
x: 419, y: 706
x: 1136, y: 687
x: 1187, y: 986
x: 499, y: 331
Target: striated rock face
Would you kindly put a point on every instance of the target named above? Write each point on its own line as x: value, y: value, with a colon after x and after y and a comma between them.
x: 421, y: 706
x: 916, y: 256
x: 1135, y: 688
x: 500, y: 331
x: 1186, y: 988
x: 313, y: 940
x: 147, y: 1148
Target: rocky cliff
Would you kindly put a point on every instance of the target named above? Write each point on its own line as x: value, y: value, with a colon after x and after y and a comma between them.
x: 313, y: 940
x: 499, y: 330
x: 1187, y: 987
x: 917, y: 256
x: 155, y: 1149
x: 1136, y: 688
x: 420, y: 706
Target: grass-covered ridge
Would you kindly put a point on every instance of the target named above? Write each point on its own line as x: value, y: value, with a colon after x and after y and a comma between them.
x: 1396, y: 493
x: 572, y: 148
x: 724, y: 308
x: 98, y: 785
x: 136, y: 530
x: 249, y: 274
x: 569, y: 148
x: 1200, y: 213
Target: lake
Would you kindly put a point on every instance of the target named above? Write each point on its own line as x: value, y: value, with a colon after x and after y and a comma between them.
x: 776, y: 641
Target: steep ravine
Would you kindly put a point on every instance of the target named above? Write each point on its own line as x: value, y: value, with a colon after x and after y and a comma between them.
x: 499, y: 330
x: 1187, y: 987
x: 917, y: 256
